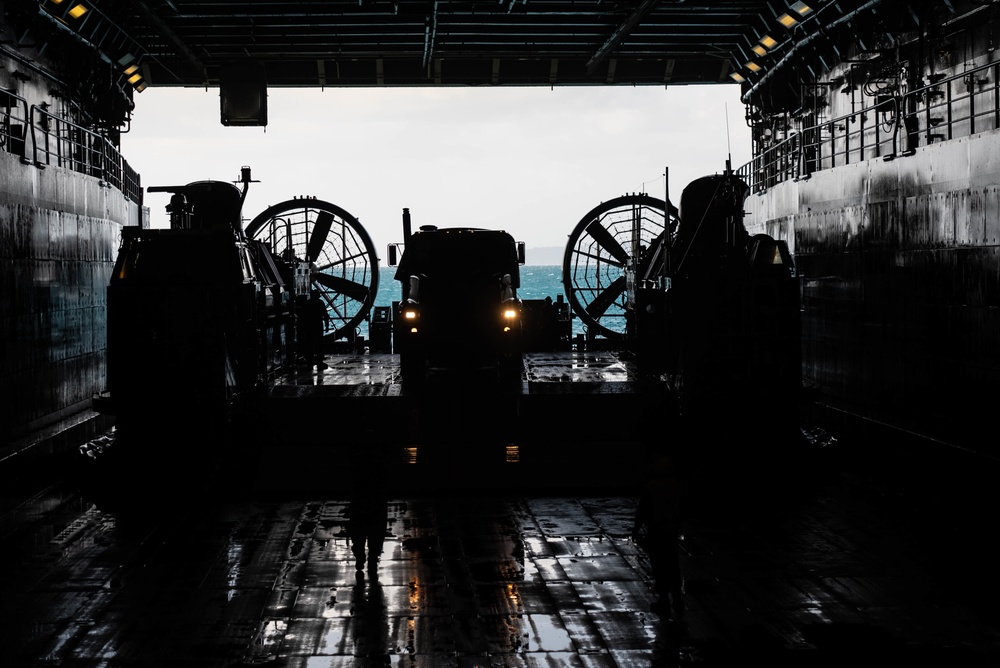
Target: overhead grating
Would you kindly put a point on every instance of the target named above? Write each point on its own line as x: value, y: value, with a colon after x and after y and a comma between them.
x: 439, y: 43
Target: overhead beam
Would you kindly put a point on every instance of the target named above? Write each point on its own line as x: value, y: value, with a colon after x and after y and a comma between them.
x: 166, y: 31
x: 668, y: 72
x: 430, y: 35
x: 620, y: 33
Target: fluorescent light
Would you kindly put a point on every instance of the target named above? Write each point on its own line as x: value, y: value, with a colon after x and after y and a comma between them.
x: 759, y: 50
x: 737, y: 77
x: 801, y: 8
x: 787, y: 20
x: 768, y: 42
x: 77, y: 11
x: 753, y: 67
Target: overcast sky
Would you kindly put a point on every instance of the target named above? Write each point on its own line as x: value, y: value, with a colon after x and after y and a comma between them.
x: 532, y: 161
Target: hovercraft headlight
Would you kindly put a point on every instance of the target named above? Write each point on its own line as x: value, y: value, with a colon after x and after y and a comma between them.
x: 410, y: 317
x: 510, y: 315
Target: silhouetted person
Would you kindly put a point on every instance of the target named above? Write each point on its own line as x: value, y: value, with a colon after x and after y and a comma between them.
x: 658, y: 514
x: 369, y: 506
x: 315, y: 320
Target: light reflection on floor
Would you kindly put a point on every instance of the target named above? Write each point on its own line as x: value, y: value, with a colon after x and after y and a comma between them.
x: 809, y: 568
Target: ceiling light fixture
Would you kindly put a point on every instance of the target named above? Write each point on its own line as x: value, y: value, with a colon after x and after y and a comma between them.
x: 787, y: 20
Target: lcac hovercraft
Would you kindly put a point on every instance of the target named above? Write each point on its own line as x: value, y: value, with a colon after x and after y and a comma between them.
x: 696, y: 299
x: 204, y: 315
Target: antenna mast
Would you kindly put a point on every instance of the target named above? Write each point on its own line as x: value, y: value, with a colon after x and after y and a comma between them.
x: 729, y: 144
x: 666, y: 221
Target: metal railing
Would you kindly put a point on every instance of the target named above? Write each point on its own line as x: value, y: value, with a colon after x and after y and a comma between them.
x: 14, y: 122
x: 56, y: 141
x: 891, y: 126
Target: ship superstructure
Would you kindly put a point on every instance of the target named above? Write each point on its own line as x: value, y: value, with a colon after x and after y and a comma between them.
x: 874, y: 158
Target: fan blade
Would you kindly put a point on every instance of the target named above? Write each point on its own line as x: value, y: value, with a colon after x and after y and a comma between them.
x: 606, y: 241
x: 601, y: 303
x: 322, y: 228
x: 352, y: 289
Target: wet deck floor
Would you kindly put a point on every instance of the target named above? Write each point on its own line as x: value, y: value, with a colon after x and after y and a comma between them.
x: 501, y: 553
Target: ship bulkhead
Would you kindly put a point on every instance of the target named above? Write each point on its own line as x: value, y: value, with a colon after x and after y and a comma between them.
x: 65, y: 194
x: 876, y: 159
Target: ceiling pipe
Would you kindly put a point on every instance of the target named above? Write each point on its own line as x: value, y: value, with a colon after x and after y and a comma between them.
x: 165, y: 30
x: 620, y: 33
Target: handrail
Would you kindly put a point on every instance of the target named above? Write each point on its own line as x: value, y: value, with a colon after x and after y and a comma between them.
x: 893, y: 126
x: 13, y: 123
x: 57, y: 141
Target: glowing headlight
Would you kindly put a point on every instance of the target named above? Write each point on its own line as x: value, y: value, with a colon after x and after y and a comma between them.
x: 410, y: 315
x: 509, y: 316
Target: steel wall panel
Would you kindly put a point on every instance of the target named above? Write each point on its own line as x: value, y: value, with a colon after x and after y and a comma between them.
x: 901, y: 280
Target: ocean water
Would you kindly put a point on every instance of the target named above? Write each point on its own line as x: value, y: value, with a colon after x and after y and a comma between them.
x: 537, y: 282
